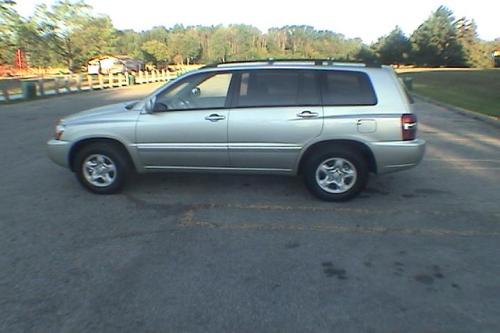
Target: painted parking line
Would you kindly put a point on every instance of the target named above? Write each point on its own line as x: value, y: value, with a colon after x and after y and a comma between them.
x: 464, y: 163
x: 189, y: 220
x: 455, y: 138
x: 312, y: 209
x: 465, y: 167
x: 276, y: 207
x: 460, y: 160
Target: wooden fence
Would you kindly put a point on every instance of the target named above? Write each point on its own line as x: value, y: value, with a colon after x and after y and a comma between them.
x: 17, y: 88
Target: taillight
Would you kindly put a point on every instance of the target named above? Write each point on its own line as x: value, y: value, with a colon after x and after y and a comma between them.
x: 409, y: 126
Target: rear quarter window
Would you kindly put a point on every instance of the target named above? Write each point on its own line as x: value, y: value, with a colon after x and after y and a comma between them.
x: 347, y: 88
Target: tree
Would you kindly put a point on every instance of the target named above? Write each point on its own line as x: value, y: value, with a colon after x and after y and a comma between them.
x: 435, y: 41
x: 366, y: 55
x: 300, y: 39
x: 96, y: 36
x: 219, y: 47
x: 204, y: 34
x: 275, y: 41
x: 184, y: 44
x: 159, y: 33
x: 156, y: 52
x: 59, y: 25
x: 393, y: 48
x: 9, y: 19
x: 245, y: 42
x: 34, y: 44
x: 129, y: 42
x: 68, y: 33
x: 476, y: 51
x: 306, y: 42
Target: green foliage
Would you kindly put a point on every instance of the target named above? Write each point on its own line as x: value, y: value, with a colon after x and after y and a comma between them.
x: 435, y: 41
x: 218, y: 45
x: 306, y: 42
x: 8, y: 21
x: 478, y: 54
x: 394, y: 48
x: 366, y: 55
x: 128, y: 42
x: 71, y: 34
x: 155, y: 52
x: 68, y: 33
x: 59, y: 25
x: 244, y: 42
x: 96, y: 36
x: 28, y: 38
x: 8, y: 15
x: 184, y: 44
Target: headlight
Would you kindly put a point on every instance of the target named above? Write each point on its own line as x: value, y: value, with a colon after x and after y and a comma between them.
x: 59, y: 130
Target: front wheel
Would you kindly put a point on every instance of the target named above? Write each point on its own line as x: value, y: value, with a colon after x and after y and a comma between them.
x: 336, y: 174
x: 101, y: 168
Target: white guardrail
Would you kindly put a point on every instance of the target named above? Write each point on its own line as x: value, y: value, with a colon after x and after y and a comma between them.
x: 27, y: 89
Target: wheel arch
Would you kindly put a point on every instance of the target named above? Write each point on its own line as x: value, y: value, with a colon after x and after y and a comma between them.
x: 363, y: 148
x: 77, y: 146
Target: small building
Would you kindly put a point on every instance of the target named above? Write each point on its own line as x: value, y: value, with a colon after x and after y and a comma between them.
x: 113, y: 64
x: 496, y: 58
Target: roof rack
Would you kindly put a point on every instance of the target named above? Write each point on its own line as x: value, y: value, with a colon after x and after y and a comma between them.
x: 272, y: 61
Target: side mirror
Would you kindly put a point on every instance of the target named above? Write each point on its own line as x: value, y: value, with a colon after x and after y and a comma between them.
x: 150, y: 105
x: 196, y: 92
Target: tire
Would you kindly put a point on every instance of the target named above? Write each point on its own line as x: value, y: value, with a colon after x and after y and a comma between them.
x: 105, y: 159
x: 336, y: 173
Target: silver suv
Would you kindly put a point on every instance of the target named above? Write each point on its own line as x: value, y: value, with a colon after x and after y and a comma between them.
x: 333, y: 123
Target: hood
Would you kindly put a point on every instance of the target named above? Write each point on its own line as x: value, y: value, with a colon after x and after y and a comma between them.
x: 103, y: 113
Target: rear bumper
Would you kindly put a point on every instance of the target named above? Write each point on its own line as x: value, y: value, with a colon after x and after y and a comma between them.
x: 58, y: 152
x: 397, y: 155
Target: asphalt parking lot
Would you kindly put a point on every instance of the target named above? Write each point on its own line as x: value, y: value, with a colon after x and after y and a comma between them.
x: 418, y: 251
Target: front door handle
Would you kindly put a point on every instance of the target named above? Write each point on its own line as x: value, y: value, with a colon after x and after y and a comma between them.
x: 215, y: 117
x: 307, y: 114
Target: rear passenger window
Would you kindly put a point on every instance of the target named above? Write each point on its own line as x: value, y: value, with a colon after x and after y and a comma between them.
x: 347, y: 88
x: 278, y: 88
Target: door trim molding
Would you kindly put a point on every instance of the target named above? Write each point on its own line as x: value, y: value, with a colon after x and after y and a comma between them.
x: 143, y: 147
x: 159, y: 167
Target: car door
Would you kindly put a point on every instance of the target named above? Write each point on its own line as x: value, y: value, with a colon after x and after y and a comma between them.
x: 188, y: 127
x: 274, y: 114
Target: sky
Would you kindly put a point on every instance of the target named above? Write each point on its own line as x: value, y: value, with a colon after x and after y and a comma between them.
x: 367, y: 20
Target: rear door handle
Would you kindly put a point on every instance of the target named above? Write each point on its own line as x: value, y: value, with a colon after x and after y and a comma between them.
x: 307, y: 114
x: 215, y: 117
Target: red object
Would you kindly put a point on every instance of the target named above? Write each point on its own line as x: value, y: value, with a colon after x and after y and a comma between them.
x: 21, y: 60
x: 409, y: 126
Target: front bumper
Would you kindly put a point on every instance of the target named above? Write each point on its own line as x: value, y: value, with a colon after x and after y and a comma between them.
x: 397, y: 155
x: 58, y: 152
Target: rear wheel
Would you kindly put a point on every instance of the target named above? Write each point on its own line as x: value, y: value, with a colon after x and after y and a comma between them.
x: 336, y: 173
x: 101, y: 168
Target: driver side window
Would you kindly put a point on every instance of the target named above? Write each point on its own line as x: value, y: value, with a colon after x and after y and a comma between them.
x: 198, y: 92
